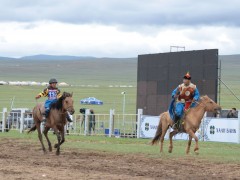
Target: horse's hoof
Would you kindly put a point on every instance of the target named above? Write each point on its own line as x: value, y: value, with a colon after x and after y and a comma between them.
x: 170, y: 151
x: 50, y: 149
x: 196, y: 152
x: 57, y: 153
x: 56, y: 146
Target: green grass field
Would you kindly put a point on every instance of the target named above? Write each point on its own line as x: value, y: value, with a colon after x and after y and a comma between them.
x: 24, y: 96
x: 213, y: 151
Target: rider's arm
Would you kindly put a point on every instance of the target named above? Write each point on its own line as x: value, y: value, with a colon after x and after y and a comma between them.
x: 44, y: 93
x: 196, y: 94
x: 175, y: 92
x: 59, y: 94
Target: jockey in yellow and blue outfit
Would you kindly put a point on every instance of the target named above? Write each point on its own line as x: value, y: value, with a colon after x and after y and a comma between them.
x: 185, y: 95
x: 53, y: 93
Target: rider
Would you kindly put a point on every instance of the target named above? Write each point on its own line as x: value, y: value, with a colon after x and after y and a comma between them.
x: 53, y: 94
x: 186, y: 94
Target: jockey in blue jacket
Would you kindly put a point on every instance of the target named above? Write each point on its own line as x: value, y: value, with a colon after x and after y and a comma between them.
x: 53, y: 93
x: 185, y: 95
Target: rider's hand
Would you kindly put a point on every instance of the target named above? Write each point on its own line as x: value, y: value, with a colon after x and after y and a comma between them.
x: 175, y: 96
x: 37, y: 97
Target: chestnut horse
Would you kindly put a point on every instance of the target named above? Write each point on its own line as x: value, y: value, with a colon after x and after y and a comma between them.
x: 190, y: 123
x: 56, y: 120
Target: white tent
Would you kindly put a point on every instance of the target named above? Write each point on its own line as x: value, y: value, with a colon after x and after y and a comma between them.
x: 63, y: 84
x: 44, y: 83
x: 14, y: 83
x: 3, y: 83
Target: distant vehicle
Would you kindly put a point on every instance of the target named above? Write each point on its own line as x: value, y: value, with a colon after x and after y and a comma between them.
x: 91, y: 100
x: 14, y: 117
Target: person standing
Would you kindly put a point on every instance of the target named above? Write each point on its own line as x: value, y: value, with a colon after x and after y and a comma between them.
x: 232, y: 113
x: 91, y: 127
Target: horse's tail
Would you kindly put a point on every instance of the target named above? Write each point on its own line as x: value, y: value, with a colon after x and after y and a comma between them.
x: 32, y: 128
x: 158, y: 132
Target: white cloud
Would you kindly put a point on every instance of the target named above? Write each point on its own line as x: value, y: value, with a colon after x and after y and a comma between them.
x: 117, y: 28
x: 49, y: 37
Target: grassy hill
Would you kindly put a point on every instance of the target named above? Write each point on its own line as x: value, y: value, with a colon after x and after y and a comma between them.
x: 101, y: 71
x: 88, y: 71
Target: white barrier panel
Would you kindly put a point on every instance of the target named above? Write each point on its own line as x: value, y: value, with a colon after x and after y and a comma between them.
x: 185, y: 136
x: 221, y: 130
x: 148, y: 126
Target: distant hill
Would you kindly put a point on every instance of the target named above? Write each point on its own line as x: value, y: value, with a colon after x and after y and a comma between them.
x: 55, y: 57
x: 6, y: 58
x: 235, y: 57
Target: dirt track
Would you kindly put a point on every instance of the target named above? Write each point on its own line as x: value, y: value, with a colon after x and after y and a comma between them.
x: 19, y: 161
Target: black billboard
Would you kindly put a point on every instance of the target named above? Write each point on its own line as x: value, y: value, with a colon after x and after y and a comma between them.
x: 159, y: 74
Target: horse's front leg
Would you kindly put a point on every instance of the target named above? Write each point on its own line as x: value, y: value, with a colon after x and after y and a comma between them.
x: 189, y: 144
x: 192, y: 134
x: 62, y: 137
x: 45, y: 132
x: 59, y: 140
x: 171, y: 142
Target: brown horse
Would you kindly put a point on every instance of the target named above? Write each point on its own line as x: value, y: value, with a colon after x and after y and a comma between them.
x: 56, y: 120
x: 190, y: 123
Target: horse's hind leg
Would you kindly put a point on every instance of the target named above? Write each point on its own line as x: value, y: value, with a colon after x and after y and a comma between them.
x: 189, y: 144
x: 171, y: 142
x: 45, y: 132
x: 40, y: 136
x: 164, y: 131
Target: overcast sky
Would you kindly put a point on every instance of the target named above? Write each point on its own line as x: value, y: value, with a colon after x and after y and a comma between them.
x: 117, y: 28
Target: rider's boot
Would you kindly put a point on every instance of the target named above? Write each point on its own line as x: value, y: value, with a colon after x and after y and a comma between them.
x: 46, y: 115
x: 176, y: 121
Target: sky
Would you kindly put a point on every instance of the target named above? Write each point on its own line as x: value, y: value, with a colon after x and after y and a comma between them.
x: 117, y: 28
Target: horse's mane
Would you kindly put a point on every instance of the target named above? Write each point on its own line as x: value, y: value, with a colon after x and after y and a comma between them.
x: 58, y: 104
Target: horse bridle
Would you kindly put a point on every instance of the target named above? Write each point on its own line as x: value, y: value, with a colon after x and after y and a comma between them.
x: 69, y: 107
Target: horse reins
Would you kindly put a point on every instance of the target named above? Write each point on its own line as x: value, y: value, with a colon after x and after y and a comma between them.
x: 201, y: 105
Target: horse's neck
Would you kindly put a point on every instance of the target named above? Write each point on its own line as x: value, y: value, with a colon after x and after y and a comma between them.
x: 199, y: 112
x: 59, y: 114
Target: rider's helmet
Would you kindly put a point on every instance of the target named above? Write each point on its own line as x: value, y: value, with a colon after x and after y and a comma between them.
x: 187, y: 76
x: 53, y: 80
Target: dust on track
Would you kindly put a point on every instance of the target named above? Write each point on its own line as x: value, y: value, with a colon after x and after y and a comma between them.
x: 23, y: 159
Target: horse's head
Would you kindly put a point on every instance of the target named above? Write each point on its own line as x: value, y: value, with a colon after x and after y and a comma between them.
x: 67, y: 103
x: 210, y: 105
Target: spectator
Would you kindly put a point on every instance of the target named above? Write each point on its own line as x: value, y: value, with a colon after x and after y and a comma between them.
x: 232, y: 113
x: 82, y: 111
x: 91, y: 120
x: 91, y: 127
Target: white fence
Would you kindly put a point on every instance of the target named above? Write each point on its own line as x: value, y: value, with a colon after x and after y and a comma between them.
x: 111, y: 124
